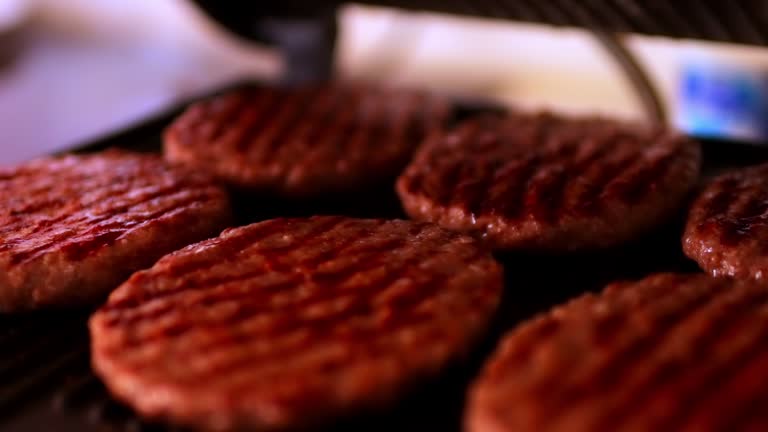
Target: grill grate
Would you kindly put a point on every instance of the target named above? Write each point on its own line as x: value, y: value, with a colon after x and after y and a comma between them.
x: 737, y: 21
x: 24, y: 345
x: 44, y: 368
x: 47, y: 383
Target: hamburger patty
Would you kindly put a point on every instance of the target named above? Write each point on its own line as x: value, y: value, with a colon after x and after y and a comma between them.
x: 293, y: 322
x: 550, y: 183
x: 667, y: 353
x: 72, y: 228
x: 307, y: 141
x: 727, y: 229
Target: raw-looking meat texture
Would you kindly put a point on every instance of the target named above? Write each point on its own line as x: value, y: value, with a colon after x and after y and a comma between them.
x: 549, y: 183
x: 294, y: 322
x: 671, y: 352
x: 305, y: 142
x: 73, y: 228
x: 727, y: 229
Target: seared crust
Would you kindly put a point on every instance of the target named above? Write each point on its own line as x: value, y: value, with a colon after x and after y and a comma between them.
x: 73, y: 228
x: 549, y: 183
x: 292, y: 322
x: 727, y: 229
x: 668, y: 353
x: 307, y: 141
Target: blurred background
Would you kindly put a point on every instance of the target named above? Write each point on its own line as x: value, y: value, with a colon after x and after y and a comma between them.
x: 76, y: 69
x: 72, y: 71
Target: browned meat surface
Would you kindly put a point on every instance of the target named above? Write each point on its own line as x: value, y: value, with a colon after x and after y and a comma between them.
x: 727, y: 230
x: 667, y: 353
x: 542, y: 182
x: 307, y: 141
x: 73, y: 228
x: 293, y: 322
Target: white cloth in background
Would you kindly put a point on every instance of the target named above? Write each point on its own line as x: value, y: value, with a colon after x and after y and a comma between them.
x: 89, y: 67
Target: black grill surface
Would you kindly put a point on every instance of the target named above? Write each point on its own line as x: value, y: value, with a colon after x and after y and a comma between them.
x: 47, y: 383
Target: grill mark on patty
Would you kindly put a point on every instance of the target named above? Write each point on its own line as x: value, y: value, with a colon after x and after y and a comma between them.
x: 304, y: 140
x: 328, y: 112
x: 85, y: 233
x: 299, y: 274
x: 631, y: 351
x: 448, y: 176
x: 711, y: 376
x: 79, y: 224
x: 108, y: 232
x: 725, y: 191
x: 580, y: 197
x: 262, y: 110
x: 701, y: 352
x: 545, y: 169
x: 728, y: 222
x: 631, y: 186
x: 387, y: 298
x: 749, y: 415
x: 105, y: 231
x: 242, y: 280
x: 588, y: 376
x: 735, y: 216
x: 605, y: 170
x: 249, y: 306
x: 36, y: 186
x: 325, y: 325
x: 744, y: 217
x: 544, y: 190
x: 38, y: 206
x: 309, y: 139
x: 507, y: 192
x: 723, y: 373
x: 243, y: 243
x: 640, y: 380
x: 291, y: 108
x: 333, y: 139
x: 322, y: 327
x: 355, y: 267
x: 709, y: 322
x: 214, y: 125
x: 94, y: 196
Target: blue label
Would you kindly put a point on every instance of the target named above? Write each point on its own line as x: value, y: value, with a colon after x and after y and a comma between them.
x: 723, y: 102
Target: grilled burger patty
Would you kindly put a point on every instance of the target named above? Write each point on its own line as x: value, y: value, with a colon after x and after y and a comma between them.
x: 307, y: 141
x: 727, y: 229
x: 72, y: 228
x: 543, y: 182
x: 667, y: 353
x: 293, y: 322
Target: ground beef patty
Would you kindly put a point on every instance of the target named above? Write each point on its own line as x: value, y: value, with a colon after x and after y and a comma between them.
x: 550, y: 183
x: 293, y: 322
x: 307, y: 141
x: 72, y: 228
x: 667, y: 353
x: 727, y: 229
